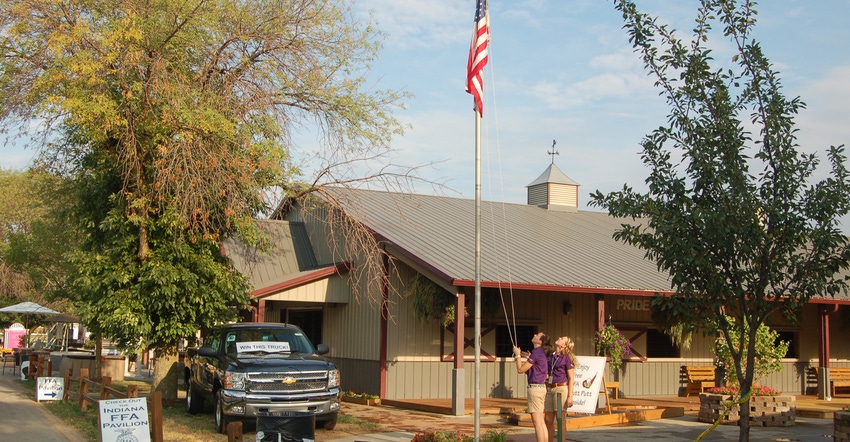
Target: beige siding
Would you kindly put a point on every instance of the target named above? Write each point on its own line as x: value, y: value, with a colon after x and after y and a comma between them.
x: 563, y: 194
x: 329, y: 290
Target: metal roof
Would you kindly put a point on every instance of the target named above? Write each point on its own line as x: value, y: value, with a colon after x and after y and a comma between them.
x: 552, y: 174
x: 521, y: 244
x: 291, y: 254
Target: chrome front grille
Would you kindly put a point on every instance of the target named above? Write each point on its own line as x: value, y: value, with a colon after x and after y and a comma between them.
x: 291, y: 382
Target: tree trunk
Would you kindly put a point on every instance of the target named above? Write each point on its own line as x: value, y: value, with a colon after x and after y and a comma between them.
x: 166, y: 372
x: 744, y: 422
x: 98, y: 357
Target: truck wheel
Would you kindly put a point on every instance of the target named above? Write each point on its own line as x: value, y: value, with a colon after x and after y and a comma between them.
x: 221, y: 419
x: 329, y: 424
x: 194, y: 401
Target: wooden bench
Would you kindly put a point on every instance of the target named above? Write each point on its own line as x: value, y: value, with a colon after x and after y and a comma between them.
x: 839, y: 378
x: 697, y: 378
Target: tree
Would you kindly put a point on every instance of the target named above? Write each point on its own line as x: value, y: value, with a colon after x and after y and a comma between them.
x: 179, y: 117
x: 33, y: 237
x: 730, y: 213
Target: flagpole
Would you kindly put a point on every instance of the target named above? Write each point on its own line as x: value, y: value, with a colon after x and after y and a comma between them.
x: 474, y: 85
x: 477, y: 313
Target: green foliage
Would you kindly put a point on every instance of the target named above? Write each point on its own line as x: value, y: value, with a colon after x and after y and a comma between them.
x: 352, y: 393
x: 447, y: 436
x: 183, y: 285
x: 672, y: 314
x: 430, y: 301
x: 769, y: 351
x: 612, y: 344
x: 175, y: 122
x: 34, y: 234
x: 732, y: 212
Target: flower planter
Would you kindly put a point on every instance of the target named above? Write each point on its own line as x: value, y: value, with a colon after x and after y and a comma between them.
x: 842, y: 426
x: 765, y: 411
x: 361, y: 400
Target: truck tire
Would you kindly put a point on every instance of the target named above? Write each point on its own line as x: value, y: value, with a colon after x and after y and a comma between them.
x: 194, y: 401
x: 221, y: 419
x: 329, y: 424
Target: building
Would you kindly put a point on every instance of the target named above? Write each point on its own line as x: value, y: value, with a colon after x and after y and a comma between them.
x: 545, y: 266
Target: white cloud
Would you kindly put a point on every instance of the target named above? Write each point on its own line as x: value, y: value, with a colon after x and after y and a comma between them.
x: 824, y: 121
x: 421, y: 24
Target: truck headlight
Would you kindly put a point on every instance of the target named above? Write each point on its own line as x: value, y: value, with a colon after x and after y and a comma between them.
x: 234, y: 381
x: 333, y: 378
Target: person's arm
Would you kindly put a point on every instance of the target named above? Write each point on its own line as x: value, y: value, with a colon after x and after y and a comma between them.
x: 521, y: 366
x: 571, y: 378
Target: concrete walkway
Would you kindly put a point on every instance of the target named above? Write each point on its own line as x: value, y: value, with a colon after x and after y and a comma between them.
x: 22, y: 418
x: 676, y: 429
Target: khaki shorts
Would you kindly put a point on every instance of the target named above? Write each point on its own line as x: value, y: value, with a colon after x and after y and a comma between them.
x: 536, y: 399
x: 552, y: 398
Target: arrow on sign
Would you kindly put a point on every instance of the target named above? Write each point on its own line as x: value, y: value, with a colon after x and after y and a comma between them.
x: 51, y: 394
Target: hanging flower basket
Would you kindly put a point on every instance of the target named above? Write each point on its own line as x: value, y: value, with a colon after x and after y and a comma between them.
x: 431, y: 302
x: 613, y: 345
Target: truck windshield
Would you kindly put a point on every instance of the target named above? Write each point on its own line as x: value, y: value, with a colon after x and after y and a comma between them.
x: 267, y: 341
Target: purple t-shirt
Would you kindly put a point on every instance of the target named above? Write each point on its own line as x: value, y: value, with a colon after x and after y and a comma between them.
x: 537, y: 373
x: 558, y: 367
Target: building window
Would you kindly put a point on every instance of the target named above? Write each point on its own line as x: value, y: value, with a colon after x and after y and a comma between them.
x: 659, y: 345
x: 791, y: 338
x: 504, y: 346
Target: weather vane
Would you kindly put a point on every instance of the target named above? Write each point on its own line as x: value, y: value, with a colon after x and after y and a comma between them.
x: 553, y: 152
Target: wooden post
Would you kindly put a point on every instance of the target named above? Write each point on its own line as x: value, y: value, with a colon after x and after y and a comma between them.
x: 33, y: 365
x: 156, y: 416
x: 84, y: 387
x: 132, y: 391
x: 605, y: 392
x: 105, y: 382
x: 67, y: 394
x: 234, y: 431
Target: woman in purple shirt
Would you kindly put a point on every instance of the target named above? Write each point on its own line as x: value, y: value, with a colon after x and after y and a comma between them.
x: 562, y: 371
x: 536, y: 368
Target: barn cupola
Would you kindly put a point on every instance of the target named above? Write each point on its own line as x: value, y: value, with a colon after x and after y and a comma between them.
x: 553, y: 190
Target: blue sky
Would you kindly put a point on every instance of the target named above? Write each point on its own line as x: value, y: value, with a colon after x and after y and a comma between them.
x: 563, y: 70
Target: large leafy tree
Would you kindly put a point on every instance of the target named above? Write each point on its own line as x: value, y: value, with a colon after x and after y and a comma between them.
x: 33, y: 237
x: 176, y: 118
x: 732, y: 211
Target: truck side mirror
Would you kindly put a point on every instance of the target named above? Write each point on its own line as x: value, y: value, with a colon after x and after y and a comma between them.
x: 322, y: 349
x: 207, y: 352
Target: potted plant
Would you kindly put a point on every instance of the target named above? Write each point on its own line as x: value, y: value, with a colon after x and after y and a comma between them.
x: 613, y: 345
x: 361, y: 398
x: 432, y: 302
x: 768, y: 407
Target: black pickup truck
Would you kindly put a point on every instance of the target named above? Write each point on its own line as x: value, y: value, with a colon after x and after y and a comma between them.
x: 249, y: 368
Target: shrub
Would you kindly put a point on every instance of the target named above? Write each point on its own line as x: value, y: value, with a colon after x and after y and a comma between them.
x: 446, y: 436
x: 734, y: 390
x: 769, y: 351
x: 352, y: 393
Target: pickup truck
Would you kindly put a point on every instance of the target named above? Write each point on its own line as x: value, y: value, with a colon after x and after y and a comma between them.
x: 251, y: 368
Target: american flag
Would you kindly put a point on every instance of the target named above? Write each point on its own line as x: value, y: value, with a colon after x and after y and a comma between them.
x: 478, y: 55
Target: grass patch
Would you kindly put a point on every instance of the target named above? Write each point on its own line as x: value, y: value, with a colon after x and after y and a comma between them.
x: 177, y: 423
x: 84, y: 421
x: 369, y: 426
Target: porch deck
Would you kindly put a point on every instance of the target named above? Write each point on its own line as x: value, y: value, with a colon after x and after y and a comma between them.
x: 624, y: 410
